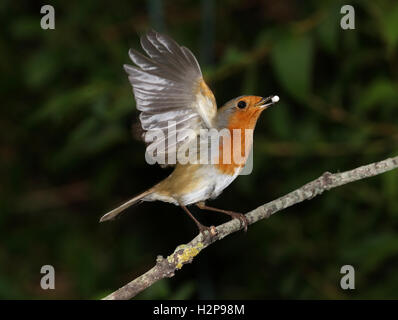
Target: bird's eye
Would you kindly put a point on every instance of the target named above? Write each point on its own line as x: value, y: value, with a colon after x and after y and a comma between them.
x: 241, y: 104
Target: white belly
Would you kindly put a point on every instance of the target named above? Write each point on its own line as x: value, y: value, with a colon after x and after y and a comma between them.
x: 211, y: 182
x: 211, y: 187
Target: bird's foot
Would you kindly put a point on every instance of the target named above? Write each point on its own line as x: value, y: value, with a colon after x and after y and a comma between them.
x: 211, y: 231
x: 234, y: 215
x: 208, y: 233
x: 241, y: 217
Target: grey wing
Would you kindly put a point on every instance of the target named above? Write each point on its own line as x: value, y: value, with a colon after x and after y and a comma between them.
x: 171, y: 94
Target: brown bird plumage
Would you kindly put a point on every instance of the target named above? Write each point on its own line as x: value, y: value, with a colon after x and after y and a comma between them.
x: 168, y: 86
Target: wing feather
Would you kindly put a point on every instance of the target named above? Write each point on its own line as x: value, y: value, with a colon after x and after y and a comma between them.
x: 168, y: 86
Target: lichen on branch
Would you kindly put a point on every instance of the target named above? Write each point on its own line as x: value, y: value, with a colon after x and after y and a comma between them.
x: 183, y: 254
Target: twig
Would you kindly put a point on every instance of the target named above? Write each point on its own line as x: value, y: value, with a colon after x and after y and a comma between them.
x: 166, y: 267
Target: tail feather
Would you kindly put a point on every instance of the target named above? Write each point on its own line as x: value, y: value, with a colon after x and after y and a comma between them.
x: 112, y: 214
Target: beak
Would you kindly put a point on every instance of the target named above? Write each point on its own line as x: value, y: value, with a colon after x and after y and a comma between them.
x: 267, y: 102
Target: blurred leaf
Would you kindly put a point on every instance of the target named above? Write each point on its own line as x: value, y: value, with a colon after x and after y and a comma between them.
x: 389, y: 22
x: 26, y: 27
x: 369, y: 253
x: 232, y: 56
x: 292, y: 59
x: 390, y: 187
x: 328, y: 30
x: 89, y: 140
x: 60, y: 105
x: 379, y: 93
x: 279, y: 120
x: 40, y: 68
x: 251, y: 78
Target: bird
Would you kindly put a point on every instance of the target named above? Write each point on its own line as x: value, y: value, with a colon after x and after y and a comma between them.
x: 169, y: 87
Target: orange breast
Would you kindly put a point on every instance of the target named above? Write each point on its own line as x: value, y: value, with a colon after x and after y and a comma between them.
x: 233, y: 153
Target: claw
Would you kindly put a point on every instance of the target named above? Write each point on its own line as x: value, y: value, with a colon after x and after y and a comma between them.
x: 210, y: 234
x: 242, y: 219
x: 235, y: 215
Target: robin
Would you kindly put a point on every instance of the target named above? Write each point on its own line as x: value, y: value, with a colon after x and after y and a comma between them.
x: 168, y: 87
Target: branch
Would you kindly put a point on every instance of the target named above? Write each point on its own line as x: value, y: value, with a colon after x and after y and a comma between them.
x: 166, y: 267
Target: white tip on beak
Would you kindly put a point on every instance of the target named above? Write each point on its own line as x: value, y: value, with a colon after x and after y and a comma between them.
x: 275, y: 99
x: 271, y: 100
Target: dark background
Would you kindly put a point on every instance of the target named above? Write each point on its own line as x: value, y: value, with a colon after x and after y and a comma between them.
x: 67, y: 154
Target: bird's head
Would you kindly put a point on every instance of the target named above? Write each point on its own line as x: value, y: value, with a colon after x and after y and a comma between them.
x: 243, y: 112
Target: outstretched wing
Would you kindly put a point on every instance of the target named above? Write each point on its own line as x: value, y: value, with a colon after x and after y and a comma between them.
x: 170, y: 93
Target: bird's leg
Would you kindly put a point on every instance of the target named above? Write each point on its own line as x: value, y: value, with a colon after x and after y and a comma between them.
x: 235, y: 215
x: 202, y: 228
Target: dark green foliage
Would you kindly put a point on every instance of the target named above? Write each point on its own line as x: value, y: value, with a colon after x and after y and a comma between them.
x: 67, y: 154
